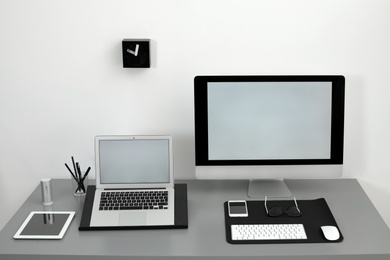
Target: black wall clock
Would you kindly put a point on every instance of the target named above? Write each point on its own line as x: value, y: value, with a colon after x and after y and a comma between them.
x: 136, y: 53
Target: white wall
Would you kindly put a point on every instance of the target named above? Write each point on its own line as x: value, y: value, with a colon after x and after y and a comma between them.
x: 62, y: 81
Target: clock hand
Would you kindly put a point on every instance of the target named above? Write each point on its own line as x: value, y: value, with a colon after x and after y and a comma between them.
x: 135, y: 52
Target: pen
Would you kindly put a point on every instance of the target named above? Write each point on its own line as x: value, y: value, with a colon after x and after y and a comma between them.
x: 78, y: 171
x: 80, y: 181
x: 74, y: 166
x: 86, y: 173
x: 74, y: 177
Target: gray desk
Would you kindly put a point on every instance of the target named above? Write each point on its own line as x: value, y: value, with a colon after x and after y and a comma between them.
x: 366, y: 235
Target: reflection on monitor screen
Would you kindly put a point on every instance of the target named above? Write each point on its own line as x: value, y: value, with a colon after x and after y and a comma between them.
x: 269, y: 127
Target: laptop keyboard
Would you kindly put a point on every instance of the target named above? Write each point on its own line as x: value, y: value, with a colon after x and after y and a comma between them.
x: 132, y: 200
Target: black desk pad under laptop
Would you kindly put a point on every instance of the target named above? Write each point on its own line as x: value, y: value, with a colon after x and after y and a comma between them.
x: 315, y: 213
x: 181, y: 211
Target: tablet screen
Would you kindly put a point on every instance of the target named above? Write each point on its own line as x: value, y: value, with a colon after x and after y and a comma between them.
x: 45, y: 225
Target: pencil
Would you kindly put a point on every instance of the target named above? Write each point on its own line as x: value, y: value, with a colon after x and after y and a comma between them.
x: 74, y: 177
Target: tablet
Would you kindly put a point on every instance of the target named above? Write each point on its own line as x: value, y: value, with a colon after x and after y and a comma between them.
x: 45, y: 225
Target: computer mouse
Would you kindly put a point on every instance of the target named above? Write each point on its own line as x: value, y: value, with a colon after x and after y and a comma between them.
x: 331, y: 233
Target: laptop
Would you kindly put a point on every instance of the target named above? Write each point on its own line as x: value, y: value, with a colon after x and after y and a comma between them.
x: 134, y: 181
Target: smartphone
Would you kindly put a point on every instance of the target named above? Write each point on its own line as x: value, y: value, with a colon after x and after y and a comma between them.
x: 237, y: 208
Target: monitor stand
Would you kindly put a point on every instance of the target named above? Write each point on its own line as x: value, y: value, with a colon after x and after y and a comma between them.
x: 275, y: 188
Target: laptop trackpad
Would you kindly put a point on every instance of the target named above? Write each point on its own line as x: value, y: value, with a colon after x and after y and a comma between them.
x: 132, y: 218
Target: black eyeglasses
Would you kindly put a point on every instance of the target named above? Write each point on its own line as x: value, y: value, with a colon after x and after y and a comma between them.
x: 278, y: 211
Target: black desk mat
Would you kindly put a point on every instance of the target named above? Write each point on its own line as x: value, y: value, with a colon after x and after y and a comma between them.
x: 315, y: 213
x: 181, y: 211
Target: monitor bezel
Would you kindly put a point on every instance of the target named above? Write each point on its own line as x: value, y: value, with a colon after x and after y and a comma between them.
x: 201, y: 119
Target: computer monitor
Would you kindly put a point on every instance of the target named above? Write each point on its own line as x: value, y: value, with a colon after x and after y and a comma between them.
x: 269, y: 128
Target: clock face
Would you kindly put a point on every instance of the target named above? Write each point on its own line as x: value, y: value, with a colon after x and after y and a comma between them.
x: 135, y: 53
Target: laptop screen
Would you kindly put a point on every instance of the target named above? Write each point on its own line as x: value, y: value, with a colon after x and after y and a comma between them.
x: 134, y: 161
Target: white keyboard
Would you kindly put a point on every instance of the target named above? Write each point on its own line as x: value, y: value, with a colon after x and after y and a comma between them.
x: 268, y: 232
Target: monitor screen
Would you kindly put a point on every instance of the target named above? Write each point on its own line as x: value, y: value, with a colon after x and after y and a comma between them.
x: 257, y: 127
